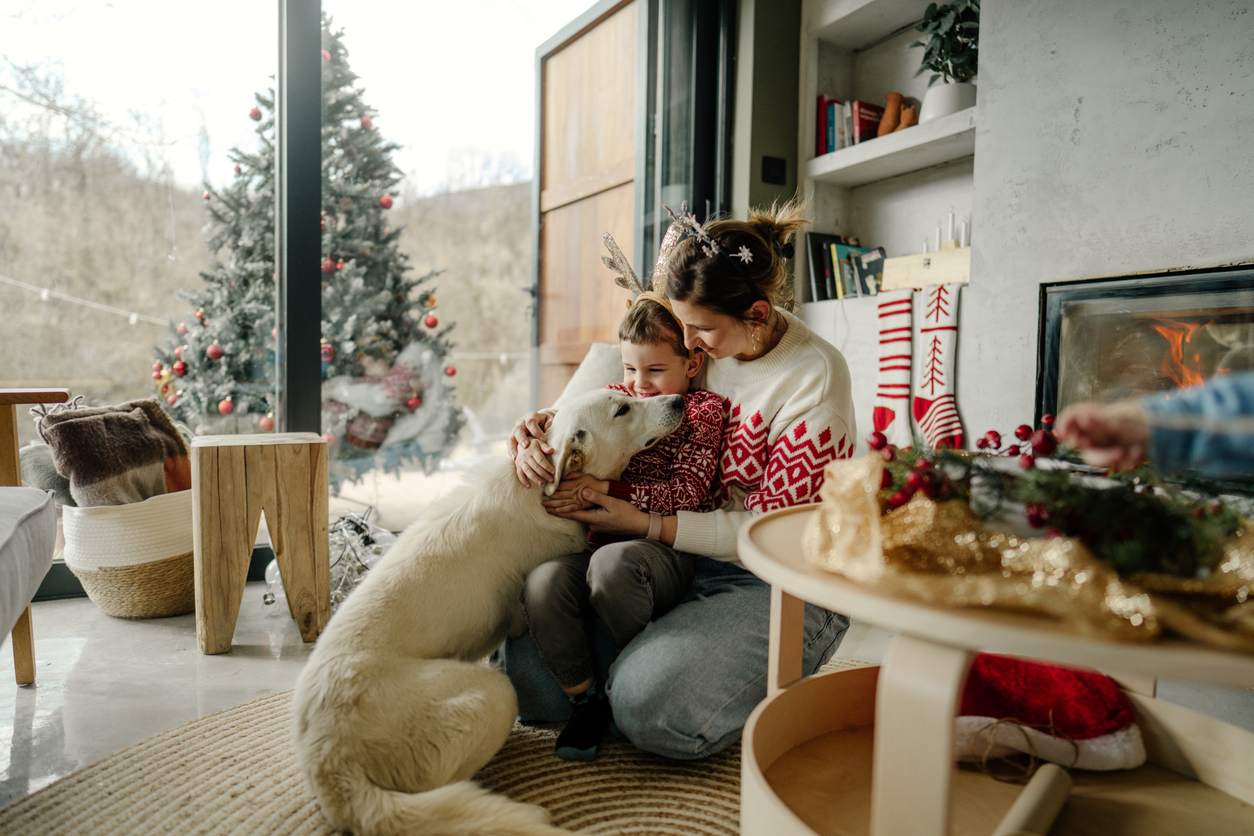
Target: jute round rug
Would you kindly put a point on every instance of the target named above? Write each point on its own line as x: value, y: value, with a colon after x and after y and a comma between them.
x: 234, y: 772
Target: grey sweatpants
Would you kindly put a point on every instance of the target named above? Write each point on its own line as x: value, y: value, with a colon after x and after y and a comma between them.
x: 625, y: 584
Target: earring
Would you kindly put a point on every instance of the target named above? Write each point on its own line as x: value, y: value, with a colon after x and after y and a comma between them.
x: 757, y: 338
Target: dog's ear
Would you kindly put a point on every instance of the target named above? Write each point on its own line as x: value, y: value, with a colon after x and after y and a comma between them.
x: 567, y: 458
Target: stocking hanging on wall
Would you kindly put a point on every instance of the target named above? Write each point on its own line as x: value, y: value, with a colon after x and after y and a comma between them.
x: 935, y: 409
x: 892, y: 389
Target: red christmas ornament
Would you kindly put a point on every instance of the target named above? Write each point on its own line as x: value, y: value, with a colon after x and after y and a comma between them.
x: 254, y: 115
x: 215, y: 352
x: 339, y: 265
x: 226, y: 407
x: 450, y: 371
x: 324, y: 223
x: 386, y: 201
x: 266, y: 423
x: 178, y: 352
x: 172, y: 400
x: 326, y: 56
x: 328, y: 266
x: 431, y: 321
x: 274, y: 333
x: 180, y: 368
x: 156, y: 375
x: 200, y: 314
x: 366, y: 124
x: 414, y: 402
x: 156, y: 367
x: 327, y: 351
x: 328, y: 438
x: 205, y: 195
x: 237, y: 168
x: 182, y: 329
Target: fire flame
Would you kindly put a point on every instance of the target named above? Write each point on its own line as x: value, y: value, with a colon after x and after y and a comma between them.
x: 1178, y: 335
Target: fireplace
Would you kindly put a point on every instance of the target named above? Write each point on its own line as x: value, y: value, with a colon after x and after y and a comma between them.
x: 1113, y: 338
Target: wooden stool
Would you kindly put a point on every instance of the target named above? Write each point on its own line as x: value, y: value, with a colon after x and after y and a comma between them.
x: 234, y: 479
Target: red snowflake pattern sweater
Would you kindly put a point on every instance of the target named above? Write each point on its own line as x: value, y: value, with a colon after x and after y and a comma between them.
x: 791, y: 413
x: 678, y: 473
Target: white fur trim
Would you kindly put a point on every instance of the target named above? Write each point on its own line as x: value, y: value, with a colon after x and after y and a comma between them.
x: 1122, y: 749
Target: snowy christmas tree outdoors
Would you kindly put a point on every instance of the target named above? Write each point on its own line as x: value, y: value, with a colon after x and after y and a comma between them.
x: 387, y: 395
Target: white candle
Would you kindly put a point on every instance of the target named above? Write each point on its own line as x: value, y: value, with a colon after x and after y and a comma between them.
x: 925, y: 245
x: 963, y: 241
x: 950, y: 236
x: 938, y: 238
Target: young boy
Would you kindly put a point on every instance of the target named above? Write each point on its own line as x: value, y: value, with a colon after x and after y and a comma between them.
x: 627, y: 583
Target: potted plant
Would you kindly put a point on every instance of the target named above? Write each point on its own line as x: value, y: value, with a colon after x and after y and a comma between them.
x: 951, y: 54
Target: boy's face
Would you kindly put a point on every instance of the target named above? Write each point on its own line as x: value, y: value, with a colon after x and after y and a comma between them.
x: 650, y: 370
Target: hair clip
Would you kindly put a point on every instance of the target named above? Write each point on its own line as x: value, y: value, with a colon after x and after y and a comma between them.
x: 692, y: 228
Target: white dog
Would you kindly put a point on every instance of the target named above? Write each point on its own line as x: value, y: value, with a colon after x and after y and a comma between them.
x: 396, y: 710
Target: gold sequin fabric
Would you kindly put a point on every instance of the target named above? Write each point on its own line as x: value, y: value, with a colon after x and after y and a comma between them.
x: 942, y: 553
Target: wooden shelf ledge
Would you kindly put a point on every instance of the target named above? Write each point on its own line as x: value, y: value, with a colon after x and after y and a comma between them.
x: 939, y: 141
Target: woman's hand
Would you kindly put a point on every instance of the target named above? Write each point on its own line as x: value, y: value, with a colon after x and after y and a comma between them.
x: 528, y: 448
x: 569, y: 494
x: 612, y: 516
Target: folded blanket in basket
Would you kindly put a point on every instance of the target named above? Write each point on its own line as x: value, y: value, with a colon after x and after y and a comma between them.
x: 113, y: 455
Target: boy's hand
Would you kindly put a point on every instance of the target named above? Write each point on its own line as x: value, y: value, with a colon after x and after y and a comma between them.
x: 569, y: 494
x: 1113, y: 435
x: 532, y: 465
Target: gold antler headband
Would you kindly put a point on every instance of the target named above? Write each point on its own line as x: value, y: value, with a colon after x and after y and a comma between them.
x: 626, y: 277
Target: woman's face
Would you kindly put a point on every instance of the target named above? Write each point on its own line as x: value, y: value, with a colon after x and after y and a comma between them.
x: 718, y: 334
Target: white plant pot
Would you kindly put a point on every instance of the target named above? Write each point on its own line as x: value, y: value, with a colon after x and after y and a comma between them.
x: 944, y: 99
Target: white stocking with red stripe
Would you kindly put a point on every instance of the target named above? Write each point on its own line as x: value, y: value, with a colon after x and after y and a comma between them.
x: 892, y: 390
x: 935, y: 409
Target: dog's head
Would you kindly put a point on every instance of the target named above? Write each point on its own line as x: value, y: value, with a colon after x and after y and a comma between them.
x: 600, y: 431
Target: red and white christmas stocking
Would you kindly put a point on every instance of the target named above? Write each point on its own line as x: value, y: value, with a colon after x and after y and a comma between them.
x: 1075, y: 718
x: 891, y: 416
x: 936, y: 341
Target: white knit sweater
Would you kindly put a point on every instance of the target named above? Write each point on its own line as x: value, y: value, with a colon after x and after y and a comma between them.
x: 791, y: 413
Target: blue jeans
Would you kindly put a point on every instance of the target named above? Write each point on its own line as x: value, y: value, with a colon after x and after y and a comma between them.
x: 685, y: 686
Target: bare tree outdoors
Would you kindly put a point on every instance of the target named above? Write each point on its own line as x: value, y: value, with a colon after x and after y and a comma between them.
x: 92, y: 212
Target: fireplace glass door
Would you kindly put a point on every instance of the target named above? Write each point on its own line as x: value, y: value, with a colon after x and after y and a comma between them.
x: 1110, y: 339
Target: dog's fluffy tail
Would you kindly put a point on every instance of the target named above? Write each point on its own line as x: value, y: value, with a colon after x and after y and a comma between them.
x: 462, y: 808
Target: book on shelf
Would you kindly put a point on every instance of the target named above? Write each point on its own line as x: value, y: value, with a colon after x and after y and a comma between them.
x: 830, y: 132
x: 847, y: 109
x: 819, y: 261
x: 865, y: 120
x: 868, y: 267
x: 842, y: 266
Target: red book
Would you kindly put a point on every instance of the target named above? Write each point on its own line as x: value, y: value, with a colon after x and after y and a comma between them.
x: 866, y: 120
x: 823, y: 135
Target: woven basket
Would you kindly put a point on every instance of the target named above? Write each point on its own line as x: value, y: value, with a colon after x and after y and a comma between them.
x: 135, y: 560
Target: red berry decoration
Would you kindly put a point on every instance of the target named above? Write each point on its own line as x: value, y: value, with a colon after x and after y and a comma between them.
x: 180, y: 368
x: 1023, y: 432
x: 386, y: 201
x: 1037, y: 514
x: 876, y: 440
x: 886, y: 480
x: 366, y: 124
x: 1012, y: 450
x: 1047, y: 420
x: 922, y: 464
x: 450, y: 371
x: 898, y: 499
x: 914, y: 480
x: 226, y: 407
x: 254, y: 115
x: 431, y: 321
x: 266, y: 423
x: 994, y: 438
x: 1027, y: 462
x: 326, y: 56
x: 215, y: 352
x: 889, y: 453
x: 1043, y: 443
x: 414, y: 402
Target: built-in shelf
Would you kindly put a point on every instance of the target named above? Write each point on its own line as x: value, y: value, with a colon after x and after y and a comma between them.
x: 855, y: 24
x: 939, y: 141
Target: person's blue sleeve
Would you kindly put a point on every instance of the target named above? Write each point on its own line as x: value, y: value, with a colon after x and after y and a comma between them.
x: 1212, y: 444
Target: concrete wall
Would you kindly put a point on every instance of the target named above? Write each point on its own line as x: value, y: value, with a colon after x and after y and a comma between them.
x: 1113, y: 138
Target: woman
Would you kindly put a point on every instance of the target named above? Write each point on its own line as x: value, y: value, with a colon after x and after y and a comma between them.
x: 685, y: 686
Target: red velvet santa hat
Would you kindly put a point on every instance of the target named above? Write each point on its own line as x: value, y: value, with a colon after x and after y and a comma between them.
x: 1075, y: 718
